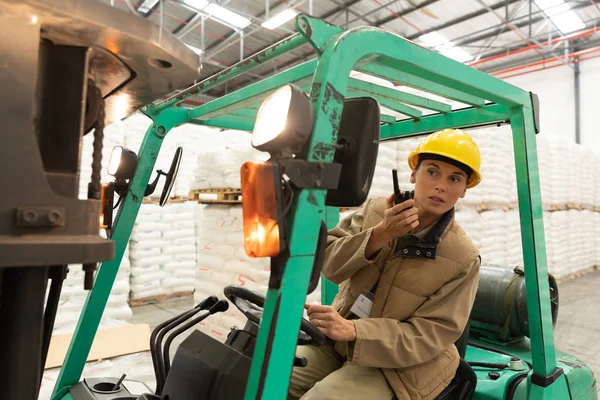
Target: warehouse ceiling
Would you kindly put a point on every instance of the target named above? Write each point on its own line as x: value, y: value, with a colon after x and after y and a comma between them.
x: 501, y: 37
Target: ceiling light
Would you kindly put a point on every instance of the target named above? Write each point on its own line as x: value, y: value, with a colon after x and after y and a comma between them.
x: 568, y: 22
x: 226, y: 16
x: 433, y: 39
x: 552, y: 7
x: 197, y: 4
x: 280, y: 19
x: 445, y: 47
x: 147, y: 5
x: 195, y: 49
x: 561, y: 15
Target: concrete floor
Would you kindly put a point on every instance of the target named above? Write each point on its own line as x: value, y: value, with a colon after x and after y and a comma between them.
x: 577, y: 331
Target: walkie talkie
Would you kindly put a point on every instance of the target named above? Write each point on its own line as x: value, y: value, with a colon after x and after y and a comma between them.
x: 397, y: 194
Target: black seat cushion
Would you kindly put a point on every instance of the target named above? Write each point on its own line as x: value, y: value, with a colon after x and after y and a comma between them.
x: 462, y: 386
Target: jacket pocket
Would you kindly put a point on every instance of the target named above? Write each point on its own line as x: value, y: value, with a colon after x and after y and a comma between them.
x: 429, y: 379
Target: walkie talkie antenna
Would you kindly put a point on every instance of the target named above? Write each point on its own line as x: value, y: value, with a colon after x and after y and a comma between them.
x: 397, y: 194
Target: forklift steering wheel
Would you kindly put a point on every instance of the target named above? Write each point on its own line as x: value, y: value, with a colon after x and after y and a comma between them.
x: 251, y: 305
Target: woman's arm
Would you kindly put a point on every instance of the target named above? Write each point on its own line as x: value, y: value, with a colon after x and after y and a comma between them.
x: 350, y: 248
x: 438, y: 323
x: 346, y: 245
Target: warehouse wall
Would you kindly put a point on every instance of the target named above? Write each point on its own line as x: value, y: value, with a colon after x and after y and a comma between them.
x: 556, y: 90
x: 590, y: 99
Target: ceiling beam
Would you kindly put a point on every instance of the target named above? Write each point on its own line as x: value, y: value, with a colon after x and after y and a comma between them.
x: 347, y: 9
x: 455, y: 21
x: 405, y: 12
x: 233, y: 34
x: 589, y: 24
x: 519, y: 62
x: 503, y: 29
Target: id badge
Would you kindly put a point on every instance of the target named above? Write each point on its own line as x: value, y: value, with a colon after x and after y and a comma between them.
x: 362, y: 306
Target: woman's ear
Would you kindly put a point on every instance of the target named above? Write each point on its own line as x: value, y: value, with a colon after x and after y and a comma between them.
x: 462, y: 196
x: 412, y: 177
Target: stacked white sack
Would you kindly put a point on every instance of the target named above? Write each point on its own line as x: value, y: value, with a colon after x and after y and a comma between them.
x: 587, y: 179
x: 545, y: 153
x: 514, y: 244
x: 179, y: 248
x: 188, y: 137
x: 73, y: 298
x: 575, y: 168
x: 219, y: 162
x: 597, y: 237
x: 597, y: 183
x: 222, y: 262
x: 403, y: 149
x: 493, y: 239
x: 470, y: 220
x: 585, y: 236
x: 498, y: 188
x: 581, y: 243
x: 113, y: 136
x: 558, y: 173
x: 381, y: 185
x: 163, y: 250
x: 558, y: 254
x: 146, y: 253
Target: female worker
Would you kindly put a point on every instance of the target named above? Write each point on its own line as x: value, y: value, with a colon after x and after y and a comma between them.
x: 408, y: 275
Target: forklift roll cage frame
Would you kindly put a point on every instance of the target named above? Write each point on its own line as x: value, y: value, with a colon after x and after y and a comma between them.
x: 326, y: 78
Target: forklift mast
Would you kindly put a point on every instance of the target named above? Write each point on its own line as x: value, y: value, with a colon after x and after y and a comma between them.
x: 68, y: 66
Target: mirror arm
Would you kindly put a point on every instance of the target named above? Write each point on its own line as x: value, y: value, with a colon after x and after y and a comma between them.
x: 316, y: 175
x: 152, y: 187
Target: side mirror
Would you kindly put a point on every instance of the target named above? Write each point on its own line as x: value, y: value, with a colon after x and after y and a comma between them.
x: 356, y: 150
x: 170, y: 178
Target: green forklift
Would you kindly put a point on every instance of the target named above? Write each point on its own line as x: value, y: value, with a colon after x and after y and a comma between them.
x: 322, y: 130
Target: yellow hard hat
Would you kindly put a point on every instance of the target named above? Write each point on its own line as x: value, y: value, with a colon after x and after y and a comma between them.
x: 453, y: 144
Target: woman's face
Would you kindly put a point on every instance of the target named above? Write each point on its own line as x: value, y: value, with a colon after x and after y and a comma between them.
x: 438, y: 186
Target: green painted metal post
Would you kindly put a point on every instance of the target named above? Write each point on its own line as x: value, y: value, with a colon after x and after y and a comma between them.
x: 328, y: 288
x: 270, y: 371
x: 534, y: 249
x: 97, y: 298
x: 492, y: 113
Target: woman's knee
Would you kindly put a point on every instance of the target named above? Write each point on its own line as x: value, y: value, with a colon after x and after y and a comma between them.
x: 321, y: 361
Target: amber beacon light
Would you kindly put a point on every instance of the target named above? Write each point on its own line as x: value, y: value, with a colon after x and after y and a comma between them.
x: 262, y: 209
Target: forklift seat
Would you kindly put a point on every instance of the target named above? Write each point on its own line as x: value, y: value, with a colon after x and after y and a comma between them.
x: 463, y: 385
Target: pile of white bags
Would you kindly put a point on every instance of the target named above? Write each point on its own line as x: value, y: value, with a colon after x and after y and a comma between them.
x: 73, y: 297
x: 498, y: 187
x: 222, y: 261
x: 219, y: 162
x: 163, y: 251
x: 382, y: 185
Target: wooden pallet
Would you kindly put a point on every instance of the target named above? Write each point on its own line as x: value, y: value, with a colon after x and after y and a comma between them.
x: 171, y: 200
x: 489, y: 206
x: 160, y: 298
x: 558, y: 207
x: 223, y: 196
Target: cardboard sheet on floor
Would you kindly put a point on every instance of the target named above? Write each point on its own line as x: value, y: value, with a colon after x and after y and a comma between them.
x: 108, y: 343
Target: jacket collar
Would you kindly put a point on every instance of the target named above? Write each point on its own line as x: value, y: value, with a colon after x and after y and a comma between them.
x: 426, y: 246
